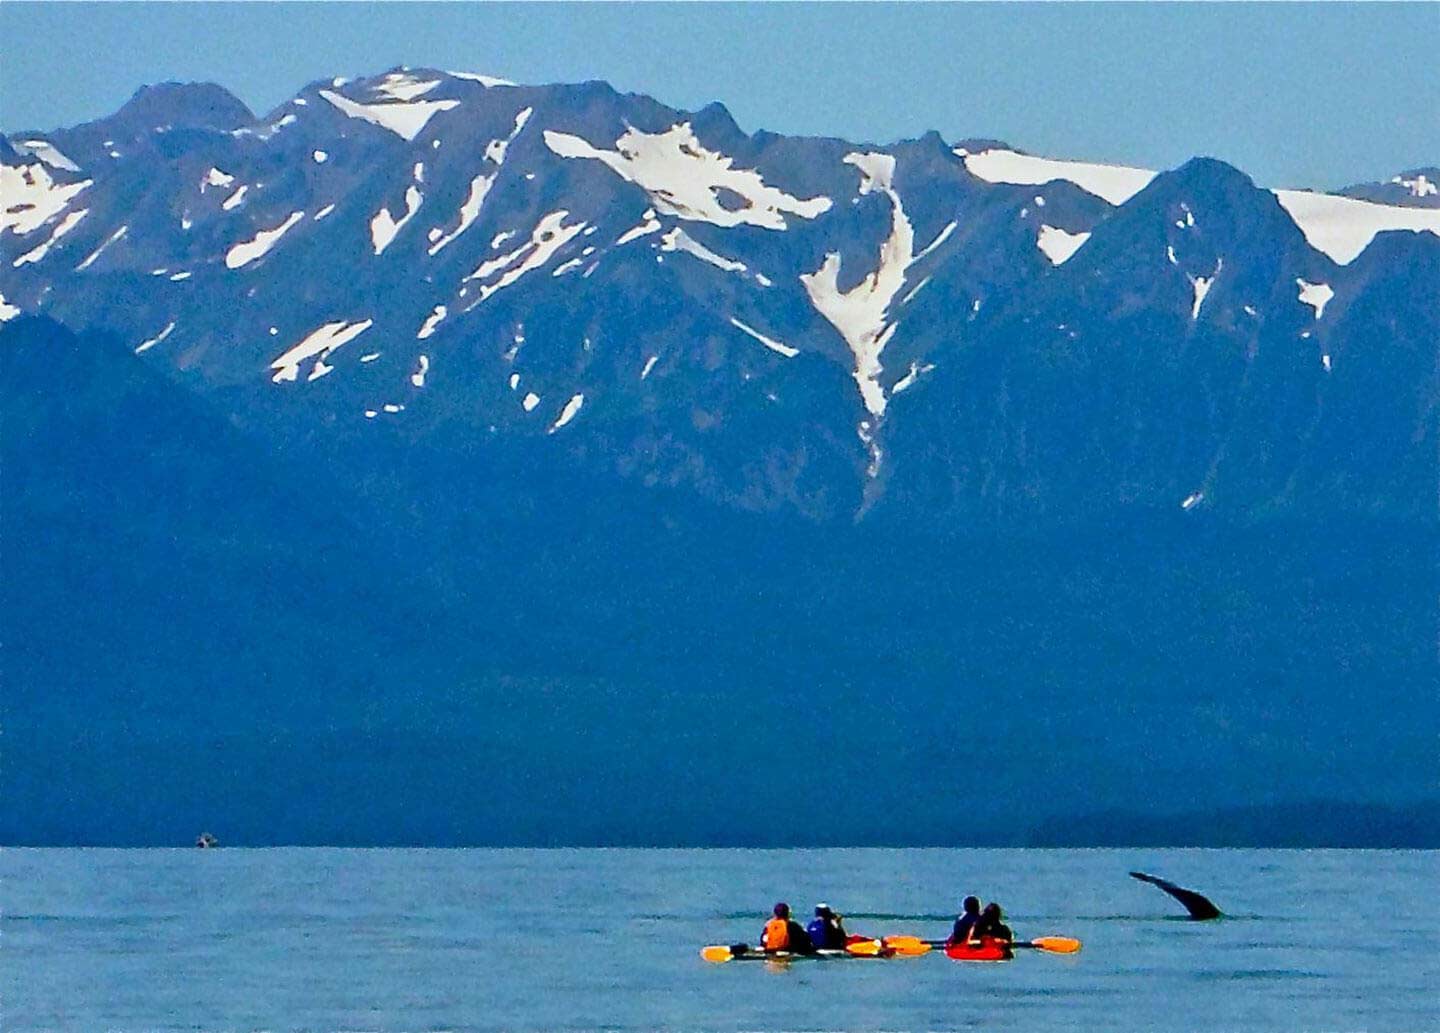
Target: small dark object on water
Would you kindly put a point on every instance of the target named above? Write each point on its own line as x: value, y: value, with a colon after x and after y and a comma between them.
x: 1199, y: 907
x: 205, y: 841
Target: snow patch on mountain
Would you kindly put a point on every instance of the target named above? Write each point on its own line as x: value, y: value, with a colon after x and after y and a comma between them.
x: 259, y: 246
x: 859, y: 314
x: 678, y: 240
x: 1316, y: 295
x: 483, y: 80
x: 1059, y: 245
x: 90, y: 260
x: 496, y: 150
x: 649, y: 225
x: 384, y: 227
x: 402, y: 87
x: 1342, y: 227
x: 318, y: 344
x: 7, y: 310
x: 1420, y: 186
x: 63, y: 227
x: 549, y: 236
x: 146, y: 345
x: 1113, y: 183
x: 568, y: 413
x: 30, y: 197
x: 684, y: 178
x: 234, y: 200
x: 48, y: 153
x: 422, y: 367
x: 406, y: 119
x: 771, y: 343
x: 432, y: 321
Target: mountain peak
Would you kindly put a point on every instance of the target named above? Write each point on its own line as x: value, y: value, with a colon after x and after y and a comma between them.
x: 184, y: 105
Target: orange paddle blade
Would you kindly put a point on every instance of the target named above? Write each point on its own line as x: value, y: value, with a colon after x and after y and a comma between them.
x: 1057, y: 944
x: 907, y: 945
x: 718, y: 954
x: 869, y: 948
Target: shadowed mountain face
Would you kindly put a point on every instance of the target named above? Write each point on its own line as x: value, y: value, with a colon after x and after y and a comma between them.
x: 439, y: 460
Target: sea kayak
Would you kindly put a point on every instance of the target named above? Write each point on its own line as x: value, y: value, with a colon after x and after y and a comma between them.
x: 985, y: 950
x: 743, y: 952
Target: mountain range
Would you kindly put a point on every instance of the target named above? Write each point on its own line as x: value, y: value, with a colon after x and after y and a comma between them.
x: 442, y: 460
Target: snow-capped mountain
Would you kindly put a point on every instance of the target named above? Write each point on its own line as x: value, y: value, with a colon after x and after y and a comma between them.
x: 688, y: 302
x: 560, y: 443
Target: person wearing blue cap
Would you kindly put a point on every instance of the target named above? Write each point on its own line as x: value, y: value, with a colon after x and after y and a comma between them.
x: 827, y: 932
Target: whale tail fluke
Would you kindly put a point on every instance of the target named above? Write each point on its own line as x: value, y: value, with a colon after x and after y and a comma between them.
x: 1198, y: 905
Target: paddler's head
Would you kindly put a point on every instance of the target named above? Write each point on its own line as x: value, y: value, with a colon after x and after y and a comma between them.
x: 972, y: 905
x: 782, y: 910
x: 991, y: 911
x: 823, y: 911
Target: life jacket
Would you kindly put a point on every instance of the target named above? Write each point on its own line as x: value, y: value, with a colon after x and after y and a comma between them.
x: 776, y: 936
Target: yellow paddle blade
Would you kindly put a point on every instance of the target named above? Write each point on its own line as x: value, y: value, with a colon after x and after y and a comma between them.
x: 1057, y: 944
x: 909, y: 949
x: 903, y: 942
x: 866, y: 947
x: 718, y: 954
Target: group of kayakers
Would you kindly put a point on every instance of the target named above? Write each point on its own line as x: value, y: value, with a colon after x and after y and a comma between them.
x: 783, y: 933
x: 974, y: 925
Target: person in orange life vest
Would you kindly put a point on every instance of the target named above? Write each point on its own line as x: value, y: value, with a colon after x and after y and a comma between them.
x: 784, y: 934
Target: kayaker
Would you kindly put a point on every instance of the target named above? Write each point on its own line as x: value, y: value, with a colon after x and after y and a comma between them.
x: 965, y: 923
x: 826, y: 932
x: 992, y: 925
x: 784, y: 934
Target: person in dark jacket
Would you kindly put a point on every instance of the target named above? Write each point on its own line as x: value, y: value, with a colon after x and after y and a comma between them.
x: 992, y: 925
x: 827, y: 931
x: 965, y: 924
x: 784, y: 934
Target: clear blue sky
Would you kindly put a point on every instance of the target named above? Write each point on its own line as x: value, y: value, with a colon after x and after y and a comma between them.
x: 1295, y: 94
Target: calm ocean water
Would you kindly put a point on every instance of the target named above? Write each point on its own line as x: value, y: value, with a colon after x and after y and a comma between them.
x: 325, y: 940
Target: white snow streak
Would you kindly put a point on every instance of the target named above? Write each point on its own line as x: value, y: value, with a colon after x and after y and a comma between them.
x: 1342, y: 227
x: 678, y: 240
x: 530, y: 402
x: 423, y: 367
x: 644, y: 372
x: 1059, y: 245
x: 431, y: 322
x: 248, y: 251
x: 859, y: 314
x: 406, y: 119
x: 101, y: 249
x: 648, y: 226
x: 1113, y: 183
x: 549, y: 236
x: 145, y: 346
x: 469, y: 210
x: 684, y: 178
x: 29, y: 197
x: 63, y: 227
x: 50, y: 154
x: 318, y: 345
x: 1316, y: 295
x: 7, y: 311
x: 384, y: 227
x: 235, y: 199
x: 568, y: 413
x: 483, y: 80
x: 773, y: 345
